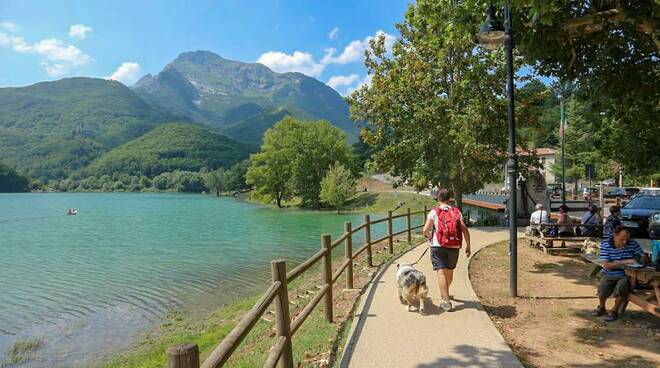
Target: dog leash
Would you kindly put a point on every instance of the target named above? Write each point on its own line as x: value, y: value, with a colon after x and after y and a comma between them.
x: 420, y: 257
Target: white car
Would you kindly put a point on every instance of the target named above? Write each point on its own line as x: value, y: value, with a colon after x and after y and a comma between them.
x: 649, y: 191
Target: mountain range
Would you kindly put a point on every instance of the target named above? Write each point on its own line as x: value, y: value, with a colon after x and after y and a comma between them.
x: 55, y: 129
x: 230, y: 95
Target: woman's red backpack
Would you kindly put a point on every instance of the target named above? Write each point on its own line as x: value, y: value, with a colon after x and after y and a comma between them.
x: 449, y: 232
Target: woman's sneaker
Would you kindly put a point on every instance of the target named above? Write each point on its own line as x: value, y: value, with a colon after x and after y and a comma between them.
x: 446, y: 305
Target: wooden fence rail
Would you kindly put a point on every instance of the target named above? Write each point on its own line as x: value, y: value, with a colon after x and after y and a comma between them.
x: 281, y: 354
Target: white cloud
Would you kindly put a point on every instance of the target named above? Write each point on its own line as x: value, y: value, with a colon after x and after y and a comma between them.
x: 127, y: 73
x: 354, y: 52
x: 299, y: 61
x: 364, y: 81
x: 9, y: 26
x: 342, y: 80
x: 334, y: 34
x: 79, y: 31
x: 60, y: 58
x: 304, y: 62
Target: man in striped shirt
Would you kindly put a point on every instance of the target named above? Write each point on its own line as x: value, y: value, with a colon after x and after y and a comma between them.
x: 616, y: 252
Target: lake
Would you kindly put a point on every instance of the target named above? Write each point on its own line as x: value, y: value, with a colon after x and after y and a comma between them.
x: 96, y: 280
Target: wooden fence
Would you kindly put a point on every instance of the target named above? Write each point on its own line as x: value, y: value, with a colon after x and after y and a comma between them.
x: 187, y: 355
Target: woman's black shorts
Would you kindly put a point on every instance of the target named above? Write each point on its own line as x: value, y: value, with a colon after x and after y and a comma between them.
x: 444, y: 258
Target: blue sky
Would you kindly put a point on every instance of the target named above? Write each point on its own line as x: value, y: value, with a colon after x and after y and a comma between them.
x: 47, y: 40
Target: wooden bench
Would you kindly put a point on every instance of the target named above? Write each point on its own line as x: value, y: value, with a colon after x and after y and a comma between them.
x: 645, y: 298
x: 640, y: 297
x: 540, y: 239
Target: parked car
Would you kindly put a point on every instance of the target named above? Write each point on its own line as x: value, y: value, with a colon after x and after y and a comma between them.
x: 590, y: 193
x: 554, y: 190
x: 654, y: 226
x: 636, y: 214
x: 616, y: 192
x: 650, y: 191
x: 631, y: 192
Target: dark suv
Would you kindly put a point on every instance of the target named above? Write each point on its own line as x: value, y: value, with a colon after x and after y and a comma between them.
x: 636, y: 214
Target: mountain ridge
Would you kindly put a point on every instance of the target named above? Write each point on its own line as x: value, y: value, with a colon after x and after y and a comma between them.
x: 206, y: 87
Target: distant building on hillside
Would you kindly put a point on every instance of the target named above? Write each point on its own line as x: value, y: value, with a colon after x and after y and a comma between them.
x: 82, y: 131
x: 546, y: 158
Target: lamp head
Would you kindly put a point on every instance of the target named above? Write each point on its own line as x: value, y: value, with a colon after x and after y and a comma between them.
x: 491, y: 32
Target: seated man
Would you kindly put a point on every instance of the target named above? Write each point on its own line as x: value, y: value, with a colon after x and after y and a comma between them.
x: 540, y: 216
x: 590, y: 217
x: 612, y: 221
x: 616, y: 252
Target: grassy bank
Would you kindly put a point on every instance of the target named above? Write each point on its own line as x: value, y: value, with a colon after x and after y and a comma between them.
x: 369, y: 202
x: 381, y: 202
x: 317, y: 343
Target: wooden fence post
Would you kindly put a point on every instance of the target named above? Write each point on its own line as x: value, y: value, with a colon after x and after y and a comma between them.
x: 390, y: 239
x: 348, y: 255
x: 367, y: 239
x: 326, y: 244
x: 282, y: 316
x: 425, y: 213
x: 409, y: 222
x: 183, y: 356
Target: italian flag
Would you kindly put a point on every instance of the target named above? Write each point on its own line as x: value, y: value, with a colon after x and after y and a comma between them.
x: 562, y: 124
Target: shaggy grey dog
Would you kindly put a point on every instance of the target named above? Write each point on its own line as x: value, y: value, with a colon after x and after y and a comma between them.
x: 410, y: 283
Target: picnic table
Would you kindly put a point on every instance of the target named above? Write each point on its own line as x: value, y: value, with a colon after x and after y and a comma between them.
x: 644, y: 298
x: 539, y: 238
x: 640, y: 297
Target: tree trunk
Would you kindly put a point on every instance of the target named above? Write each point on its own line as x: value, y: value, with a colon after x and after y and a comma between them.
x: 458, y: 195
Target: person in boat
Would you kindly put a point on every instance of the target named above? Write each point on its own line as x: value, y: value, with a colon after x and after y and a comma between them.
x: 72, y: 212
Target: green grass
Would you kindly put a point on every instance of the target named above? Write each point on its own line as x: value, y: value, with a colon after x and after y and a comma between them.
x: 23, y: 351
x: 381, y: 202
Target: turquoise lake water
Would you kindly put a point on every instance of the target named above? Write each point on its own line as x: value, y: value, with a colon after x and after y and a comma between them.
x: 86, y: 282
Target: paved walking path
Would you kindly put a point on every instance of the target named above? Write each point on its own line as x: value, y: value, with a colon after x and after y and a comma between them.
x: 385, y: 335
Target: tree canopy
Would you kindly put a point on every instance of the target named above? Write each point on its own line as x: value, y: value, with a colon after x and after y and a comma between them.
x: 337, y: 186
x: 295, y: 157
x: 11, y: 181
x: 435, y: 104
x: 610, y: 50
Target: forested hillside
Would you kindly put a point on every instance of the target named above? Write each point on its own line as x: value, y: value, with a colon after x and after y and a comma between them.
x: 170, y: 147
x: 52, y: 129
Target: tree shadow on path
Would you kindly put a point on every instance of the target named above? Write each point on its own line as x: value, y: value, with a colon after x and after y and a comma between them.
x: 470, y: 356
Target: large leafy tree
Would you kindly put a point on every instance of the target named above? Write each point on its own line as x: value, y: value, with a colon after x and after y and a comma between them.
x: 295, y: 157
x: 11, y: 181
x: 337, y: 186
x: 435, y: 104
x: 610, y: 50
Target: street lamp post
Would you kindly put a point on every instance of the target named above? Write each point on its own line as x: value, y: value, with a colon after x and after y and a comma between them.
x: 491, y: 35
x: 562, y: 118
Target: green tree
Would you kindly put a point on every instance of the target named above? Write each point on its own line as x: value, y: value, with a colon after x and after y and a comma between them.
x: 610, y: 49
x: 337, y: 186
x: 216, y: 181
x: 11, y: 181
x: 436, y: 104
x: 294, y: 158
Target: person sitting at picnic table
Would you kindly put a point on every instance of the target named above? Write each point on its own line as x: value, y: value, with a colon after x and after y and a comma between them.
x: 564, y: 219
x: 540, y: 216
x: 616, y: 251
x: 590, y: 217
x: 612, y: 221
